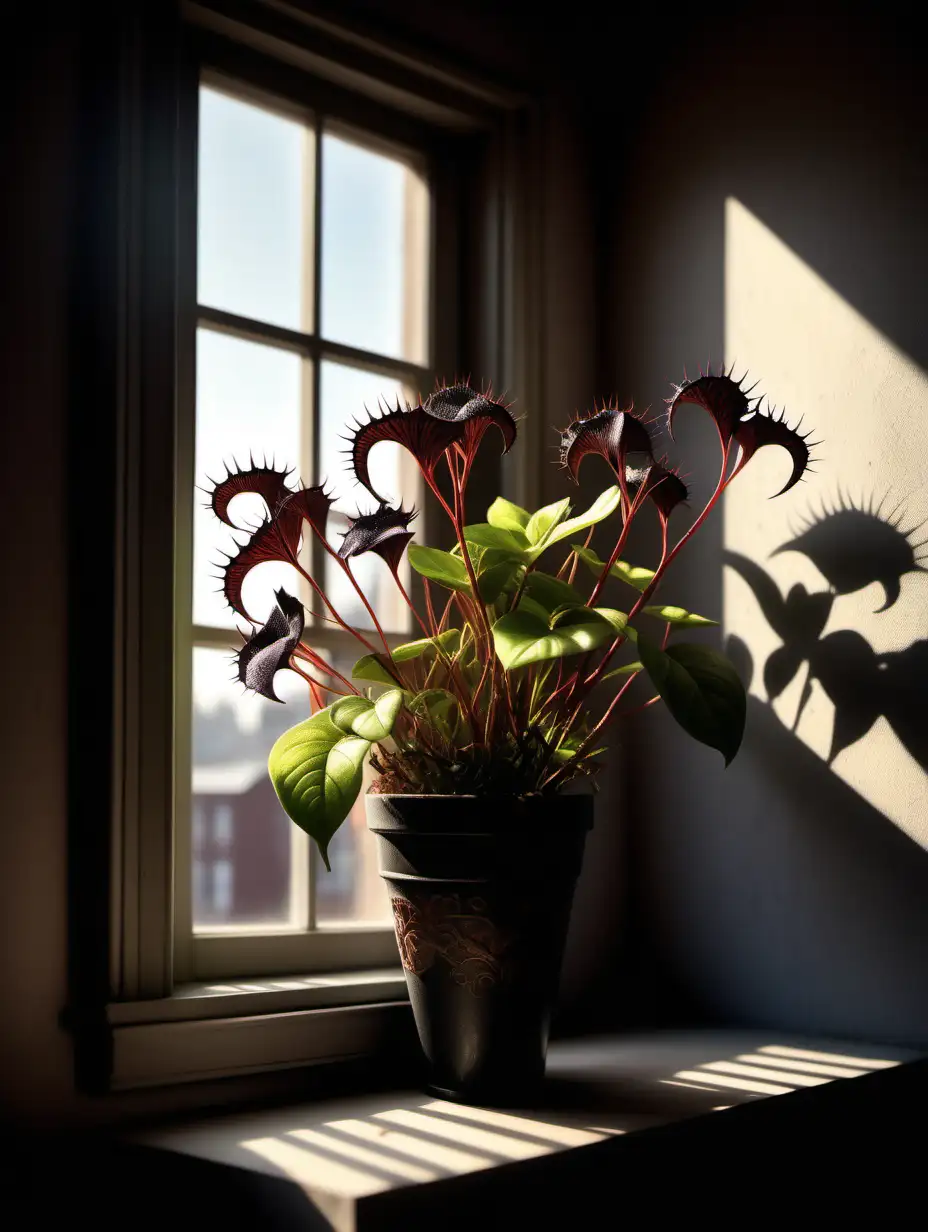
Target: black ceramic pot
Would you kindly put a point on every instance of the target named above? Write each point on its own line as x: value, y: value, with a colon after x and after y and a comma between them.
x: 481, y: 892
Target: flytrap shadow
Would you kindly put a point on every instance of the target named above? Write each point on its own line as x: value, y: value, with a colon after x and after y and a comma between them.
x: 852, y: 547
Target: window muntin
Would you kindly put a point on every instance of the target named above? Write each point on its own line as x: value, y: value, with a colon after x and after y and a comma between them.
x: 304, y: 238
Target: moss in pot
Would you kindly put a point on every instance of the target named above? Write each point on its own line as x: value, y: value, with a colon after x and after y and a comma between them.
x: 482, y: 729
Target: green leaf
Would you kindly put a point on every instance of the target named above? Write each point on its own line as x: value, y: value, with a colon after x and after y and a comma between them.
x: 371, y: 721
x: 678, y: 616
x: 499, y: 571
x: 573, y: 614
x: 702, y: 691
x: 449, y: 641
x: 375, y: 666
x: 440, y: 708
x: 601, y: 508
x: 500, y: 578
x: 633, y: 575
x: 551, y: 592
x: 627, y: 669
x: 533, y: 608
x: 439, y: 566
x: 316, y: 770
x: 521, y: 637
x: 486, y: 536
x: 542, y: 523
x: 504, y: 515
x: 618, y: 620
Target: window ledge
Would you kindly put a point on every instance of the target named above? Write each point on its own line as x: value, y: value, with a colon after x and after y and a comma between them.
x: 403, y: 1158
x: 225, y: 1028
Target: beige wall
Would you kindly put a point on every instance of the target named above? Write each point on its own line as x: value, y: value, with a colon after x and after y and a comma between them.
x: 770, y: 209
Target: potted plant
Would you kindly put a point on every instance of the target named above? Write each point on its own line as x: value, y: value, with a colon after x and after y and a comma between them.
x: 481, y: 728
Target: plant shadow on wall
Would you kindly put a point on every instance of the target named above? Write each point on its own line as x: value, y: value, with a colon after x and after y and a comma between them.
x: 852, y: 547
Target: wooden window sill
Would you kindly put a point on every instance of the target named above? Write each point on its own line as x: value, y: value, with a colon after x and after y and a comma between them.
x: 403, y: 1158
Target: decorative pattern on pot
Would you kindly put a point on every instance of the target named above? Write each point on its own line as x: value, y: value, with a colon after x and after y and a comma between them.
x: 457, y: 930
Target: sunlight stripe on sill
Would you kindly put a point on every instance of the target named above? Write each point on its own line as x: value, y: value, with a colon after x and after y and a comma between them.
x: 700, y: 1077
x: 834, y: 1058
x: 560, y: 1135
x: 364, y: 1155
x: 469, y: 1135
x: 695, y: 1086
x: 809, y: 1067
x: 308, y: 1168
x: 450, y: 1158
x: 765, y: 1075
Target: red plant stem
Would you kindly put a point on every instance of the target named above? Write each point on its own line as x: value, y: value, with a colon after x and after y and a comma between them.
x: 445, y: 613
x: 317, y: 700
x: 620, y: 544
x: 320, y: 665
x: 311, y: 680
x: 428, y: 602
x: 666, y: 637
x: 667, y: 558
x: 624, y: 714
x: 322, y: 595
x: 346, y: 567
x: 411, y: 606
x: 573, y: 681
x: 592, y: 736
x: 574, y: 559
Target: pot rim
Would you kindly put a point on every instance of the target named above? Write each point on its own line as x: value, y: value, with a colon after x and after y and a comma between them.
x: 470, y: 795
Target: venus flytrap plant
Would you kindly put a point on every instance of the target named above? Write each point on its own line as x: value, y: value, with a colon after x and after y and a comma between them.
x: 504, y: 692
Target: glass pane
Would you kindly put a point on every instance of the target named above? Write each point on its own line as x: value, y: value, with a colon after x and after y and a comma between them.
x: 255, y: 211
x: 345, y: 392
x: 248, y: 860
x: 375, y: 225
x: 353, y: 892
x: 249, y: 400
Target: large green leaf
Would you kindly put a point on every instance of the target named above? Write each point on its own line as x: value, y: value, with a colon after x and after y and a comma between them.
x: 439, y: 566
x: 678, y: 616
x: 507, y: 516
x: 541, y: 524
x: 604, y: 505
x: 499, y: 571
x: 551, y: 592
x: 702, y: 691
x: 574, y: 614
x: 534, y: 608
x: 375, y: 667
x: 316, y: 770
x: 633, y: 575
x: 371, y: 720
x: 486, y: 536
x: 521, y: 637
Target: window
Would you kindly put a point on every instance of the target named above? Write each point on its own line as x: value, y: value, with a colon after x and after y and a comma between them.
x: 367, y: 218
x: 313, y: 302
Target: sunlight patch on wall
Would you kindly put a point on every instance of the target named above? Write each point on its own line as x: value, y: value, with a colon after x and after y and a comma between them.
x: 853, y: 680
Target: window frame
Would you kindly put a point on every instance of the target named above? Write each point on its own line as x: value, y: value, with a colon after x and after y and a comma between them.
x: 319, y: 948
x: 133, y: 1020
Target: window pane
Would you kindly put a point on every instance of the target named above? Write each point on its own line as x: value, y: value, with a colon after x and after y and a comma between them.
x: 249, y: 400
x: 249, y: 860
x: 255, y: 211
x: 353, y: 892
x: 374, y: 250
x: 345, y: 392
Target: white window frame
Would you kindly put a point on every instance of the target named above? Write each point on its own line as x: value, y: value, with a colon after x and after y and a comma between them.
x: 261, y: 951
x: 138, y: 1015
